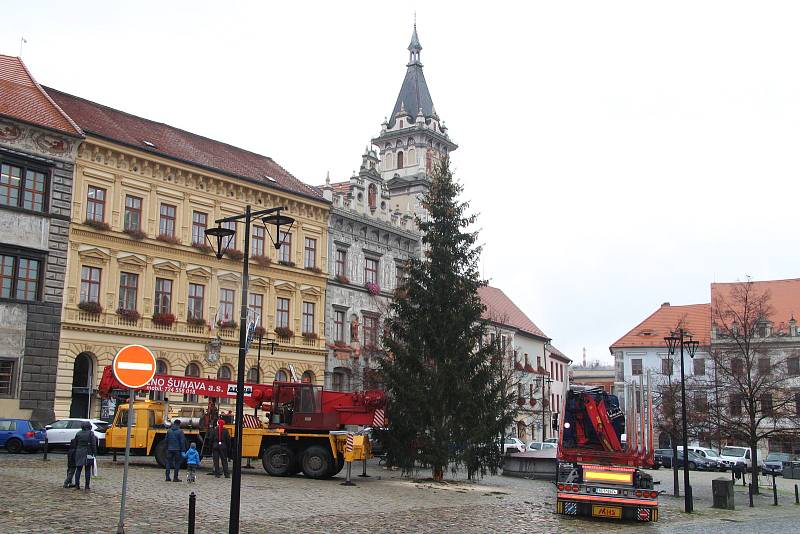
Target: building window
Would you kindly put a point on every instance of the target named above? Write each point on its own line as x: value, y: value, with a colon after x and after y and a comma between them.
x: 197, y: 293
x: 308, y: 317
x: 793, y: 365
x: 90, y: 284
x: 699, y: 366
x: 199, y: 225
x: 341, y: 379
x: 797, y: 403
x: 281, y: 375
x: 666, y: 366
x: 166, y: 223
x: 370, y: 331
x: 96, y: 204
x: 193, y: 371
x: 229, y: 242
x: 224, y: 373
x: 310, y: 258
x: 19, y: 277
x: 766, y: 405
x: 22, y: 187
x: 341, y: 262
x: 400, y: 159
x: 737, y: 366
x: 338, y: 326
x: 253, y: 375
x: 128, y: 288
x: 700, y: 402
x: 285, y: 252
x: 636, y: 366
x: 161, y: 369
x: 227, y: 299
x: 308, y: 377
x: 132, y: 219
x: 370, y: 271
x: 735, y: 406
x: 764, y: 366
x: 6, y: 378
x: 255, y: 302
x: 257, y: 242
x: 282, y: 313
x: 163, y: 303
x: 400, y: 276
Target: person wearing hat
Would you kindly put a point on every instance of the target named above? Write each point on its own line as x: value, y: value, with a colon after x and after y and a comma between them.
x: 85, y: 451
x: 220, y: 448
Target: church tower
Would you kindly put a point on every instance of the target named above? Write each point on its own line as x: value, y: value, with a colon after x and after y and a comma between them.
x: 413, y: 138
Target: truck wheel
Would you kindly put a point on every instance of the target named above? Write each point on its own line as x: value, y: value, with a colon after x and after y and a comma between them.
x: 339, y: 465
x: 278, y: 460
x: 160, y: 453
x: 317, y: 462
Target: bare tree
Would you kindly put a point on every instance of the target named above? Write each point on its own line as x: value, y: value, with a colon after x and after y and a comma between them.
x: 752, y: 398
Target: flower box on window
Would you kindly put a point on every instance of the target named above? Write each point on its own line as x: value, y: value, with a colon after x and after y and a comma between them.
x: 282, y: 331
x: 310, y: 335
x: 521, y: 401
x: 97, y: 225
x: 235, y: 254
x: 260, y: 331
x: 203, y: 247
x: 135, y: 233
x: 518, y: 366
x: 90, y: 306
x: 342, y: 279
x: 373, y: 288
x: 166, y: 238
x: 340, y: 345
x: 163, y: 319
x: 196, y: 321
x: 287, y: 263
x: 230, y: 323
x: 263, y: 261
x: 128, y: 315
x: 533, y: 402
x: 314, y: 269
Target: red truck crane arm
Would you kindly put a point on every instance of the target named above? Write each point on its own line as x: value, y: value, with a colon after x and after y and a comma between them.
x: 364, y: 408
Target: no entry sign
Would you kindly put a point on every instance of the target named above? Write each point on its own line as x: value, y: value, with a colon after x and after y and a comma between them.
x: 134, y: 366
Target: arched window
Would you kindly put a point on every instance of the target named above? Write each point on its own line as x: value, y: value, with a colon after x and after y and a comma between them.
x: 308, y: 377
x: 192, y: 370
x: 400, y: 159
x: 253, y: 375
x: 224, y: 373
x: 412, y: 157
x: 161, y: 369
x: 282, y: 375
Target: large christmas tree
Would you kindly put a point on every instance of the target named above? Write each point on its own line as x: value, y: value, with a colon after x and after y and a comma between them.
x: 450, y: 400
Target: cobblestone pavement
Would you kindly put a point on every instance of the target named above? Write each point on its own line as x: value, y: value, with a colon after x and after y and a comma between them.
x: 32, y: 501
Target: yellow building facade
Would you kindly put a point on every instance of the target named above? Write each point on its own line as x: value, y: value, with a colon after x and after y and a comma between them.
x: 135, y: 249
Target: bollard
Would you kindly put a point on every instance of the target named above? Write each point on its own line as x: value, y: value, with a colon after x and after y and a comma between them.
x: 750, y: 493
x: 115, y: 455
x: 774, y: 491
x: 45, y: 448
x: 796, y: 495
x: 192, y: 499
x: 348, y: 482
x: 364, y: 474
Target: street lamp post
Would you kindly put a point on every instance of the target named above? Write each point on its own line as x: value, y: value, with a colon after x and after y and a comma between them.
x: 223, y: 236
x: 691, y: 345
x: 545, y: 403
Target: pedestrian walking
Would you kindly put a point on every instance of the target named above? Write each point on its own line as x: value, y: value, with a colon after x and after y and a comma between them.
x: 192, y: 461
x: 176, y: 445
x: 85, y: 451
x: 69, y: 482
x: 222, y: 444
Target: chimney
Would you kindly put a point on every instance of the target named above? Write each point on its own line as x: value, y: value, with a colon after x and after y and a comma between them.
x: 792, y: 327
x: 664, y: 304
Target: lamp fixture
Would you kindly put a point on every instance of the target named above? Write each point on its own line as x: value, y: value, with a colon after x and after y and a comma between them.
x: 219, y: 234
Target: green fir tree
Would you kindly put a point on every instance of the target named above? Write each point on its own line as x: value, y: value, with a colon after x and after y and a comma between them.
x: 450, y: 402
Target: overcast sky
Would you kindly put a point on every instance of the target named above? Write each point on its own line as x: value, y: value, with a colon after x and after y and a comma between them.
x: 620, y: 154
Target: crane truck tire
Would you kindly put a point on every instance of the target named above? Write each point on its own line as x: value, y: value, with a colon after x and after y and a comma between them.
x: 317, y: 462
x: 278, y: 460
x: 337, y: 465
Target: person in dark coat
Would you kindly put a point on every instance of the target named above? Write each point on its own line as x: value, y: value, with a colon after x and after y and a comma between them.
x: 221, y: 448
x: 69, y: 482
x: 176, y: 445
x: 85, y: 451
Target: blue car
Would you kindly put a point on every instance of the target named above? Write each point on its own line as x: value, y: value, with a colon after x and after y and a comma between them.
x: 17, y: 435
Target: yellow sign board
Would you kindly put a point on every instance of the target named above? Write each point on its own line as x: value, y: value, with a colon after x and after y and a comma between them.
x: 611, y: 512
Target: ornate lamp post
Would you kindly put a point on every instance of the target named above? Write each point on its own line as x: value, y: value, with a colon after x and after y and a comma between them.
x: 672, y: 341
x: 222, y: 237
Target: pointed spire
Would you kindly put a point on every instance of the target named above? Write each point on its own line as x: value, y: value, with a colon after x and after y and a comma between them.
x: 328, y: 178
x: 414, y: 47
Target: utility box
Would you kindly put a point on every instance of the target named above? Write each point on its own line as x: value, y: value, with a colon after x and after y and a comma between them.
x: 791, y: 470
x: 722, y: 488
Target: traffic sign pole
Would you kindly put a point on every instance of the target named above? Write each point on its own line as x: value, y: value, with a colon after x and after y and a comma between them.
x: 131, y: 412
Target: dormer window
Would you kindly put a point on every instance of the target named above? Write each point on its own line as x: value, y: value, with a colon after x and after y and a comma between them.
x: 401, y: 123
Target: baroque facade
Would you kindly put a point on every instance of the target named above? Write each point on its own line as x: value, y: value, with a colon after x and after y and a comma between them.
x: 140, y: 270
x: 38, y: 143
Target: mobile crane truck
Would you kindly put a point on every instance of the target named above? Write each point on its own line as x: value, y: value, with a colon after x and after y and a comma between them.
x: 306, y: 428
x: 599, y: 474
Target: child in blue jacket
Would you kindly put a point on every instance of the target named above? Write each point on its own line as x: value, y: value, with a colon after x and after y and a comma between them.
x: 192, y: 460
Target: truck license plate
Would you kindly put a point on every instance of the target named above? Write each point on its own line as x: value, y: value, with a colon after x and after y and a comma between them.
x: 607, y: 491
x: 613, y: 512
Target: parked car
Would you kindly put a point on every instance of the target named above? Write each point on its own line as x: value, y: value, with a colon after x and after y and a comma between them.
x: 730, y: 456
x: 374, y: 440
x: 775, y: 462
x: 513, y: 445
x: 551, y: 440
x: 535, y: 446
x: 17, y: 435
x: 664, y: 457
x: 695, y: 460
x: 709, y: 454
x: 61, y: 432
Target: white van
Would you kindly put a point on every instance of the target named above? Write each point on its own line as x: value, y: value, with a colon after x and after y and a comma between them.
x: 732, y: 455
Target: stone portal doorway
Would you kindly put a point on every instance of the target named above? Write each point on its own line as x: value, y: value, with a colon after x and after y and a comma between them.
x: 82, y: 378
